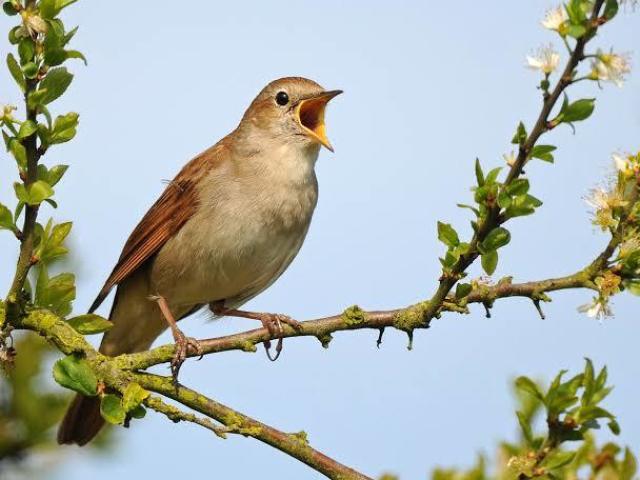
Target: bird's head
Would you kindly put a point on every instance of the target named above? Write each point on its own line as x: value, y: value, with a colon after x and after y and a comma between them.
x: 292, y: 110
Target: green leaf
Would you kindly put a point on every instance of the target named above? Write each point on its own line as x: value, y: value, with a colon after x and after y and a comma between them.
x: 497, y: 238
x: 492, y: 176
x: 26, y: 50
x: 37, y: 192
x: 520, y: 136
x: 629, y: 465
x: 36, y: 98
x: 519, y: 186
x: 578, y: 110
x: 76, y: 54
x: 6, y: 218
x: 614, y: 426
x: 543, y: 152
x: 479, y: 174
x: 90, y: 324
x: 133, y: 397
x: 447, y: 235
x: 576, y: 14
x: 64, y: 128
x: 489, y: 262
x: 557, y: 459
x: 75, y: 373
x: 523, y: 205
x: 576, y: 31
x: 27, y: 129
x: 138, y: 412
x: 60, y: 4
x: 48, y: 9
x: 525, y: 426
x: 589, y: 382
x: 55, y: 293
x: 19, y: 153
x: 53, y: 175
x: 30, y: 70
x: 473, y: 209
x: 9, y: 9
x: 610, y: 9
x: 21, y: 192
x: 462, y: 290
x: 529, y: 386
x: 111, y: 410
x: 69, y: 35
x: 16, y: 72
x: 55, y: 83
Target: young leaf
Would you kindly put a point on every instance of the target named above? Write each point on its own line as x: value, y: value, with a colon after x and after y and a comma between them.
x: 543, y: 152
x: 55, y: 84
x: 111, y: 410
x: 90, y: 324
x: 479, y: 174
x: 497, y: 238
x: 557, y: 459
x: 489, y: 262
x: 520, y: 136
x: 525, y: 426
x: 529, y: 386
x: 6, y: 218
x: 462, y: 290
x: 519, y: 186
x: 447, y: 235
x: 610, y: 9
x: 75, y: 373
x: 27, y: 129
x: 133, y: 397
x: 16, y: 72
x: 37, y: 192
x: 578, y: 110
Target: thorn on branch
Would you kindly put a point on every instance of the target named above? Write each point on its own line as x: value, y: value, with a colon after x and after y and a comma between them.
x: 379, y: 341
x: 536, y: 303
x: 410, y: 344
x: 325, y: 339
x: 487, y: 308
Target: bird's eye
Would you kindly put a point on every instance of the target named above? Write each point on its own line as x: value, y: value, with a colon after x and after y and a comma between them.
x: 282, y: 98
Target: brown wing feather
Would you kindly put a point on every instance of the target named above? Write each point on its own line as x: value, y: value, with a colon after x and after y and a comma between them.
x: 163, y: 220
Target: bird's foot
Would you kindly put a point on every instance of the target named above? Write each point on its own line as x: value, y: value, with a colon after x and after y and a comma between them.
x: 183, y: 347
x: 271, y: 321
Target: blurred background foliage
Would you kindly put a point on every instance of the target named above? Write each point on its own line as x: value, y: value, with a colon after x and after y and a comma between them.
x: 31, y: 405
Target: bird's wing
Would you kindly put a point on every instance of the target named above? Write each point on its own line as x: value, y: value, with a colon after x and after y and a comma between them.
x: 163, y: 220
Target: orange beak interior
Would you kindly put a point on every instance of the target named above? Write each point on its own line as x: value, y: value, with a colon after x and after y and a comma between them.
x: 311, y: 116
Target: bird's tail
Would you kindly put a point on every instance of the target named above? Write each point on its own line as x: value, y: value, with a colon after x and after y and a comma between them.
x: 82, y: 422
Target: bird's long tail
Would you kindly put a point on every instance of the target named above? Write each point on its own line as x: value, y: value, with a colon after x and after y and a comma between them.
x: 82, y: 422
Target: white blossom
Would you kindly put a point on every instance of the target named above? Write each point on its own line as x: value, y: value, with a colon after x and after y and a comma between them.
x: 598, y: 308
x: 598, y: 199
x: 6, y: 113
x: 611, y: 67
x: 510, y: 158
x: 622, y: 162
x: 555, y: 18
x: 546, y: 60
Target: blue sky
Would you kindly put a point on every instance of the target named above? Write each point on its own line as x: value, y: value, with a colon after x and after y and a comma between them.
x: 427, y: 88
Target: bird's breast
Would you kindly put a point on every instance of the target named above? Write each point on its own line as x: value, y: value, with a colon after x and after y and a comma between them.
x: 250, y: 224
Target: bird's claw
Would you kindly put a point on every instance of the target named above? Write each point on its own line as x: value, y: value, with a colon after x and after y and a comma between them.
x: 183, y: 347
x: 273, y: 323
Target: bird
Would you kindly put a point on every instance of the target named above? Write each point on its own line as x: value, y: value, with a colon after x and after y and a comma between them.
x: 224, y: 229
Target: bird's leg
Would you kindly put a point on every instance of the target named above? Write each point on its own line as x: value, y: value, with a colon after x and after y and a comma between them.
x: 182, y: 342
x: 271, y: 321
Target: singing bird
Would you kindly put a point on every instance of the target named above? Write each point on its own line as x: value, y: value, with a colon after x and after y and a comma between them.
x: 225, y: 228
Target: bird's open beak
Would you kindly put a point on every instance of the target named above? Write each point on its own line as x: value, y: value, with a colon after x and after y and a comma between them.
x: 310, y: 112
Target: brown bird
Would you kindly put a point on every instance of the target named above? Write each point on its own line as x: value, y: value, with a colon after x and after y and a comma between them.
x: 225, y: 228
